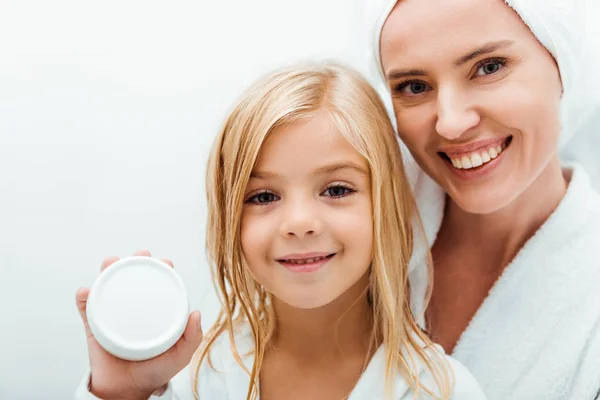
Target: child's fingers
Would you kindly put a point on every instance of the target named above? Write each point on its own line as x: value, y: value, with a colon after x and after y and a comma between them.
x: 167, y: 261
x: 142, y: 253
x: 181, y: 353
x: 107, y: 262
x: 81, y: 297
x: 193, y: 331
x: 192, y: 336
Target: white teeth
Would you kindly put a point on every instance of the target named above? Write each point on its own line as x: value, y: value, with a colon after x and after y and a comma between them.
x: 477, y: 159
x: 305, y: 261
x: 457, y: 163
x: 466, y: 163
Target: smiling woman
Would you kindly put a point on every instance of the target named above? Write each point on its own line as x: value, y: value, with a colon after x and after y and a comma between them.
x: 495, y: 90
x: 484, y: 94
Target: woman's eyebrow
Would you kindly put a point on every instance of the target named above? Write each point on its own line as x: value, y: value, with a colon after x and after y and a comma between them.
x: 485, y: 49
x: 401, y: 73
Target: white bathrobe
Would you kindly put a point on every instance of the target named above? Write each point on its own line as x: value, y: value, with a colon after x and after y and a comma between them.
x: 535, y: 337
x: 537, y: 334
x: 231, y: 382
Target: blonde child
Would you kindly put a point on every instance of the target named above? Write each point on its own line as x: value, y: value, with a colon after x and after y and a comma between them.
x: 309, y: 236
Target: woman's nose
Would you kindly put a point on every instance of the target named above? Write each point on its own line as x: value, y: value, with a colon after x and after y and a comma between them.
x: 455, y: 115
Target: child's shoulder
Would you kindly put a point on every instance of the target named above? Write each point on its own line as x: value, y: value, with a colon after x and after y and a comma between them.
x: 464, y: 384
x: 219, y: 372
x: 222, y: 350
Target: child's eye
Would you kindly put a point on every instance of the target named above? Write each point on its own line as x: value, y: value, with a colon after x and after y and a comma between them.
x: 412, y: 88
x: 337, y: 191
x: 262, y: 198
x: 490, y: 67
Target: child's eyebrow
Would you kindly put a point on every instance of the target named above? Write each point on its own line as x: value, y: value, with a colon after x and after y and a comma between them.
x: 327, y: 169
x: 263, y: 175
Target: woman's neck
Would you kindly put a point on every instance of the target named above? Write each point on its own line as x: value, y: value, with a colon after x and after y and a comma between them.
x: 342, y: 327
x: 503, y: 233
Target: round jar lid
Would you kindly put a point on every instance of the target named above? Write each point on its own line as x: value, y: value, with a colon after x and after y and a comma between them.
x: 137, y: 308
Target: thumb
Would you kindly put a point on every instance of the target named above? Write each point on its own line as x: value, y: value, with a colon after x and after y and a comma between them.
x: 81, y: 297
x: 193, y: 332
x: 187, y: 345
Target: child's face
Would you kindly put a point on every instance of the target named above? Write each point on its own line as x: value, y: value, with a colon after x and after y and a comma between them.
x: 307, y: 219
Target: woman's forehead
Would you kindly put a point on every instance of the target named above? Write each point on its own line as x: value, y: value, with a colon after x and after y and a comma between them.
x: 449, y: 23
x: 430, y: 28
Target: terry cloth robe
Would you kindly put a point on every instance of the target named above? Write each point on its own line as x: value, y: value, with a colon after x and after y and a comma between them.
x: 537, y: 334
x: 231, y: 382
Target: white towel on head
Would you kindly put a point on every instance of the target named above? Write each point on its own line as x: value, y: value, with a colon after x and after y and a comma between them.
x: 536, y: 336
x: 564, y: 27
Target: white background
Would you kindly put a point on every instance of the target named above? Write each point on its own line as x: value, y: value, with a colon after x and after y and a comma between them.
x: 107, y: 113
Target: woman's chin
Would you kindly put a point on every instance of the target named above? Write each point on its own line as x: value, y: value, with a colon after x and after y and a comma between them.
x: 482, y: 200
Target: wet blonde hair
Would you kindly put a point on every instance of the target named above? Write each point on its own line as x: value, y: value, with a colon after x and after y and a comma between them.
x: 277, y: 100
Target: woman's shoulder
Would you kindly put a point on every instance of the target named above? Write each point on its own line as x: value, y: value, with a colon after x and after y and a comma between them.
x: 580, y: 185
x: 578, y: 215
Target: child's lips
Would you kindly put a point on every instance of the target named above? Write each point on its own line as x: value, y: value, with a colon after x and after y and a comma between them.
x: 306, y: 264
x: 305, y: 256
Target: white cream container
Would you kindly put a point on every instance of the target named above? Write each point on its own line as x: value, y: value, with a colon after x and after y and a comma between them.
x: 137, y: 308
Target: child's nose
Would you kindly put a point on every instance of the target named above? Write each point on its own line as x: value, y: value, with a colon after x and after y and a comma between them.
x: 301, y: 220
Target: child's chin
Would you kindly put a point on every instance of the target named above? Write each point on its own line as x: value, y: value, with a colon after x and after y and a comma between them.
x: 308, y: 302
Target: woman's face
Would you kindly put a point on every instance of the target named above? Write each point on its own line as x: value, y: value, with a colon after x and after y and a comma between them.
x: 476, y: 97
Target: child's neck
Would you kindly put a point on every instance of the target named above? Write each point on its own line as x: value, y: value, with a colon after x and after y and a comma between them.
x: 343, y: 327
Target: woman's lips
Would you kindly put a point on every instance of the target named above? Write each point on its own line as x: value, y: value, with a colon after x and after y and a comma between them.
x: 478, y: 163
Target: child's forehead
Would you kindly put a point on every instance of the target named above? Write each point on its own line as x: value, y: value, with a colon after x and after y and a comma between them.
x: 309, y: 144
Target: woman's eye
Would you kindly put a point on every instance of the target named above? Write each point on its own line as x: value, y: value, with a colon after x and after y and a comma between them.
x: 337, y: 191
x: 412, y: 88
x: 489, y: 67
x: 263, y: 198
x: 417, y: 87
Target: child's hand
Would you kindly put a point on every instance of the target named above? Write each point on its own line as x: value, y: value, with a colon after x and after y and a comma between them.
x: 114, y: 378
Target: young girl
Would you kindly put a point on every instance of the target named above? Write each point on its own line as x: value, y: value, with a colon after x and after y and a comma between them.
x: 310, y: 236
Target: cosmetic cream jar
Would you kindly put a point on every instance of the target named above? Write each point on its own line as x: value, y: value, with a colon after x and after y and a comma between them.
x: 137, y: 308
